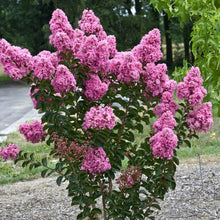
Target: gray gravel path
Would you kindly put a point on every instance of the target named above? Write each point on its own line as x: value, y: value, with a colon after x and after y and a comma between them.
x: 43, y: 199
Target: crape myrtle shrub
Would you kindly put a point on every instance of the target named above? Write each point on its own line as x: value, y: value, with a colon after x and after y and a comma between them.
x: 95, y: 100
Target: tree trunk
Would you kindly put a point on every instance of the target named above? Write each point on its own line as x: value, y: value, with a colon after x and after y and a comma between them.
x: 169, y: 52
x: 187, y: 30
x: 138, y: 7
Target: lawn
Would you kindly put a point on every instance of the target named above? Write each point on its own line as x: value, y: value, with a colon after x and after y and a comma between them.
x: 208, y: 146
x: 10, y: 172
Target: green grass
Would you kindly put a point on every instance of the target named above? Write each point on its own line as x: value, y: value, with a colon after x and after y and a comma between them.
x: 10, y: 172
x: 207, y: 144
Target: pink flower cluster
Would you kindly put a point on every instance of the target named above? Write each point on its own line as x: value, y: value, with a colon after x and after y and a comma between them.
x: 44, y: 64
x: 95, y: 53
x: 10, y: 151
x: 90, y: 24
x: 148, y: 51
x: 15, y: 60
x: 63, y: 80
x: 201, y: 119
x: 95, y: 88
x: 167, y: 104
x: 191, y: 89
x: 170, y: 86
x: 165, y: 121
x: 163, y: 143
x: 155, y: 78
x: 126, y: 67
x: 96, y: 161
x: 90, y: 44
x: 33, y: 132
x: 99, y: 118
x: 62, y: 36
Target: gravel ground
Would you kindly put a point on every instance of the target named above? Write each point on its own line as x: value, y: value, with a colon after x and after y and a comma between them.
x: 42, y: 199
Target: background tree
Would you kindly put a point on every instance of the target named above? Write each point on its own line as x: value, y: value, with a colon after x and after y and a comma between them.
x: 23, y: 22
x: 205, y: 38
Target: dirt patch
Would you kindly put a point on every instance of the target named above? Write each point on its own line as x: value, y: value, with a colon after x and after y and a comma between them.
x: 42, y: 199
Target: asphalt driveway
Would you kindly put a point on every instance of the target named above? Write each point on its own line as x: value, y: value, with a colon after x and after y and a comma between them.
x: 14, y: 102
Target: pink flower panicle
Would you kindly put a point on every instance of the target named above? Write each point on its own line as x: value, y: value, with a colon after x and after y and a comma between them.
x: 95, y: 88
x: 167, y: 104
x: 148, y: 51
x: 165, y: 121
x: 33, y: 132
x: 90, y: 24
x: 15, y: 60
x: 126, y: 67
x: 95, y: 53
x: 191, y: 89
x: 10, y: 151
x: 201, y: 119
x: 4, y: 45
x: 155, y: 78
x: 129, y: 177
x: 59, y: 22
x: 61, y: 41
x: 96, y: 161
x: 111, y: 42
x: 163, y: 143
x: 99, y: 118
x: 170, y: 86
x: 62, y: 36
x: 90, y: 45
x: 63, y: 80
x: 44, y: 64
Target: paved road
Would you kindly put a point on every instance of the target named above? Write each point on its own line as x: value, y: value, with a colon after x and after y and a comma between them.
x: 14, y: 103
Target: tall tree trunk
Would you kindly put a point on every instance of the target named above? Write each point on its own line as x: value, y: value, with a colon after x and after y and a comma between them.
x: 186, y: 40
x: 138, y: 7
x: 169, y: 52
x: 187, y: 29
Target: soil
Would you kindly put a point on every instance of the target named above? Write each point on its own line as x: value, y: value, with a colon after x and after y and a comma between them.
x: 197, y: 196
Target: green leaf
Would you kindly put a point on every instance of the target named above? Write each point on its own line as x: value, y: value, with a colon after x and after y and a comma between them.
x: 140, y: 127
x: 25, y: 155
x: 25, y: 163
x: 59, y: 180
x: 176, y: 160
x: 96, y: 211
x: 43, y: 173
x: 32, y: 157
x: 195, y: 136
x: 31, y: 166
x: 80, y: 216
x: 188, y: 143
x: 44, y: 162
x: 59, y: 167
x: 156, y: 205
